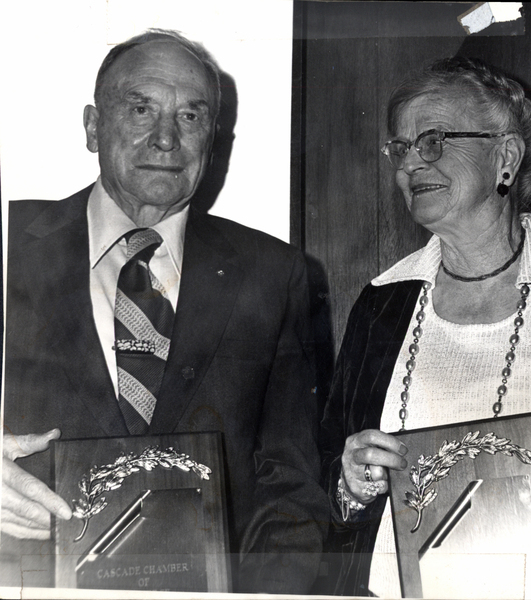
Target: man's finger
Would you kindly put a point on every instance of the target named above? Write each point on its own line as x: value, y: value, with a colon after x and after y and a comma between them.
x: 30, y: 487
x: 19, y: 531
x: 16, y: 446
x: 24, y: 508
x: 10, y: 517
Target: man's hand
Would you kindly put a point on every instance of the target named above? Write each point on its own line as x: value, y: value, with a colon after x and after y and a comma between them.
x: 27, y: 502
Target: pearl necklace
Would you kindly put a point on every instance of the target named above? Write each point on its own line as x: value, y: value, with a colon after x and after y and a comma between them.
x: 414, y: 350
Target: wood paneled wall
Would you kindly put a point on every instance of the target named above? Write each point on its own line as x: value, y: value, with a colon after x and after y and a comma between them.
x: 347, y: 213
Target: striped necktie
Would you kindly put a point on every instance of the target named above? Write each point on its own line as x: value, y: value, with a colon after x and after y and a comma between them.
x: 143, y: 321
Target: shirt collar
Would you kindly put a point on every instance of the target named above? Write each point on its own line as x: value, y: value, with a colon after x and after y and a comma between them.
x: 107, y: 224
x: 424, y: 263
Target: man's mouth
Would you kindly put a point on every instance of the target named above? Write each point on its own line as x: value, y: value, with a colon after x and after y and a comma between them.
x: 168, y: 169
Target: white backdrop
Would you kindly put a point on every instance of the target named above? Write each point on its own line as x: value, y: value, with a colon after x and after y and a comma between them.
x: 51, y: 51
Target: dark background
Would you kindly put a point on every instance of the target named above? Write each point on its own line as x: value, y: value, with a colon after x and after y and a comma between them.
x: 346, y: 212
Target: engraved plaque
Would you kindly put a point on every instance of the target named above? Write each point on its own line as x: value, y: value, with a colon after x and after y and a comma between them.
x: 151, y: 514
x: 462, y: 510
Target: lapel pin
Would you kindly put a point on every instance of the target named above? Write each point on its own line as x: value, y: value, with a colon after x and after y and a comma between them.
x: 188, y: 372
x: 221, y: 272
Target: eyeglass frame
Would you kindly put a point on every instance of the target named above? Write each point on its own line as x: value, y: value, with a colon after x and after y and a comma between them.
x: 442, y: 136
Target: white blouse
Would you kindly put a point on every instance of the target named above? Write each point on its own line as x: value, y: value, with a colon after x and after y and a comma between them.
x: 457, y: 373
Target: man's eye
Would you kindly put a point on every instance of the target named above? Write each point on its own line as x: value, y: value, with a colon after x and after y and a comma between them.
x: 140, y: 110
x: 190, y: 116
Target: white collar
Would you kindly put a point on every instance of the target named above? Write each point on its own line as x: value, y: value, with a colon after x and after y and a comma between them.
x: 107, y: 224
x: 424, y: 263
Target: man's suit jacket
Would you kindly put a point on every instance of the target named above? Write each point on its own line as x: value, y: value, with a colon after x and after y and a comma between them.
x: 239, y: 363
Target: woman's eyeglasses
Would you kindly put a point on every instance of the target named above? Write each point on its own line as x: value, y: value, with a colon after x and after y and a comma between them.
x: 428, y: 145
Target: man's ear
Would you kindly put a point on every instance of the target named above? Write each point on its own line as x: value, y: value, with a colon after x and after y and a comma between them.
x: 91, y: 116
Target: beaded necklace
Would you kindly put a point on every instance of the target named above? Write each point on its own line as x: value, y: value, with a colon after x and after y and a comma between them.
x: 414, y: 350
x: 497, y: 271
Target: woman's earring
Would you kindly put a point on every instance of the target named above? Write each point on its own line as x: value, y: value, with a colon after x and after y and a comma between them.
x: 502, y: 188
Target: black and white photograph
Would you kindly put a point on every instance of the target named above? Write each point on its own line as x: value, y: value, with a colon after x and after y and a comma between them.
x: 266, y: 268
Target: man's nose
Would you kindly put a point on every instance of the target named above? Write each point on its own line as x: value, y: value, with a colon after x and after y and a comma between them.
x: 165, y: 135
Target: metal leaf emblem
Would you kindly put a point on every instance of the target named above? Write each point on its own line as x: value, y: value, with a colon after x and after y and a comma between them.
x: 110, y: 477
x: 431, y: 469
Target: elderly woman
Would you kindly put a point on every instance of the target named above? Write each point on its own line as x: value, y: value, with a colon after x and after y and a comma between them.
x: 440, y: 337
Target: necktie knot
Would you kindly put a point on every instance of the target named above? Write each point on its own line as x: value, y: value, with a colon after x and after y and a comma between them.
x: 142, y: 243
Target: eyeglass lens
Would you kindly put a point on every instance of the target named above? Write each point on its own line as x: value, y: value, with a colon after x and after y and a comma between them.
x: 428, y: 145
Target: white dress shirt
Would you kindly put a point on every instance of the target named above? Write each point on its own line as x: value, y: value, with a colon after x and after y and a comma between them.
x: 107, y: 225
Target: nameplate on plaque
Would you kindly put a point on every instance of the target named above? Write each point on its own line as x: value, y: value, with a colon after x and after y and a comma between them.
x: 118, y: 560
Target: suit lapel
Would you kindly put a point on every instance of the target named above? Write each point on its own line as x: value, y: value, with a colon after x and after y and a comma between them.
x: 61, y: 296
x: 210, y: 283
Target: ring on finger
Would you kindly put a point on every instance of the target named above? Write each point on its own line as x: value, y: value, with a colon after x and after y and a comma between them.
x: 368, y: 474
x: 373, y: 488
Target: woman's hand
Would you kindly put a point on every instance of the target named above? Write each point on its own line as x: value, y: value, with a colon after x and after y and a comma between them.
x: 376, y: 450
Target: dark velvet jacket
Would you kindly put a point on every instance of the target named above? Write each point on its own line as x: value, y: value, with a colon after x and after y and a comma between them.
x: 374, y: 335
x: 240, y: 363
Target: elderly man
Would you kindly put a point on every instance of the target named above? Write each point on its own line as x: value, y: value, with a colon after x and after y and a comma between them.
x: 227, y: 339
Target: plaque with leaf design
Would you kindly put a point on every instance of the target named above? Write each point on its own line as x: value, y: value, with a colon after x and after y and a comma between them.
x: 148, y: 514
x: 462, y: 510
